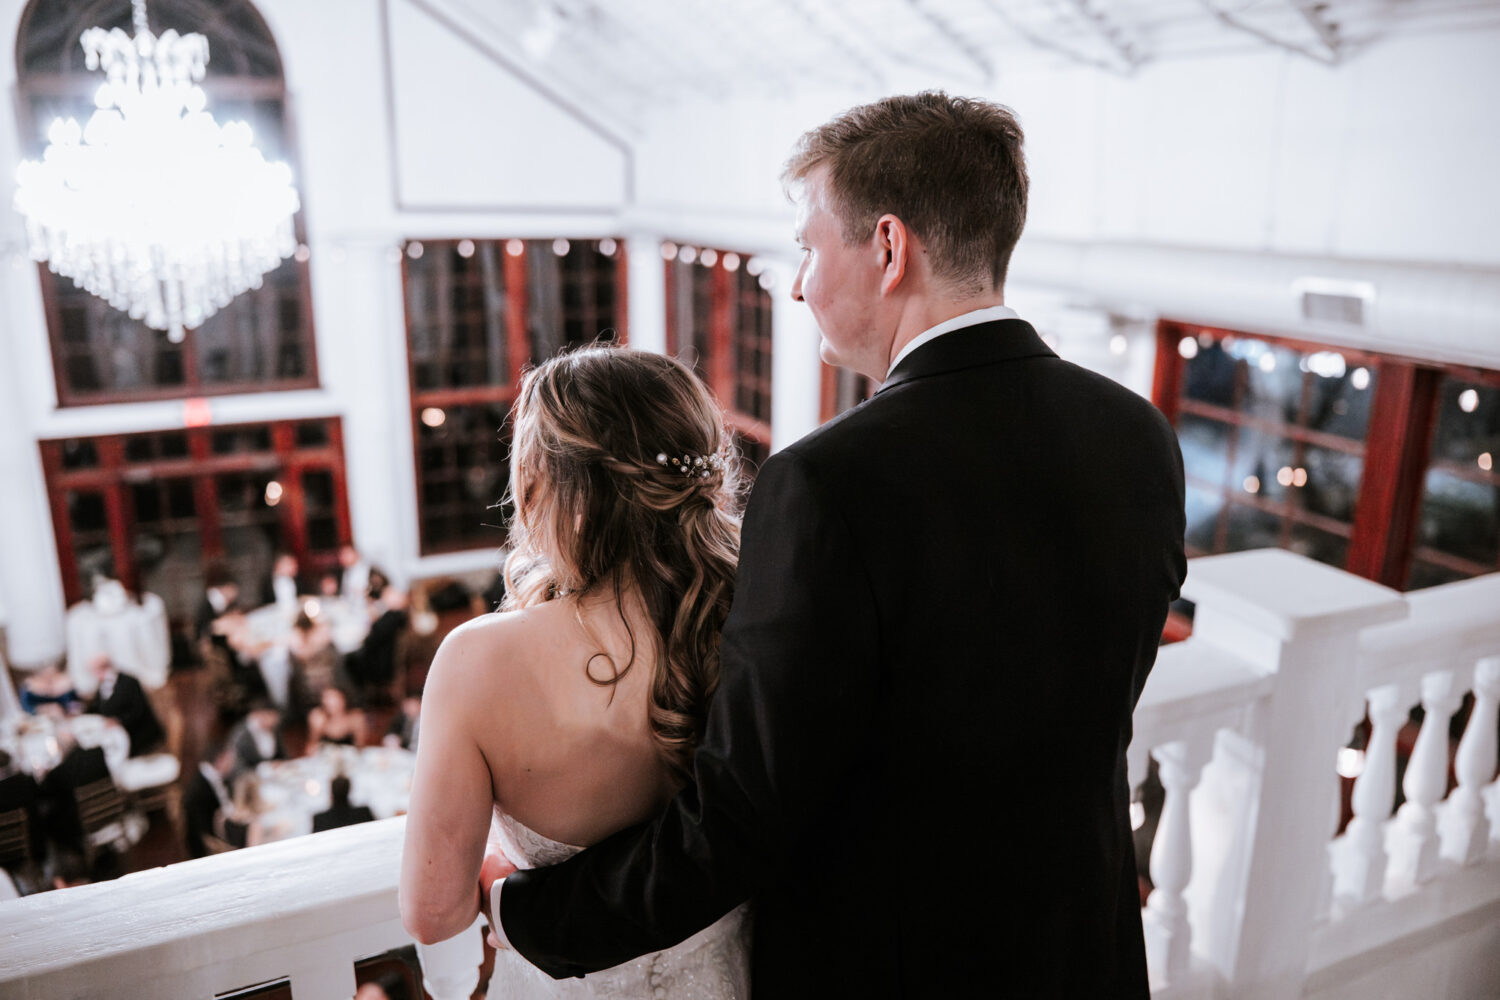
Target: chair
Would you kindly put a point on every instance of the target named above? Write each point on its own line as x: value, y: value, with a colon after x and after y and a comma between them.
x: 102, y: 815
x: 15, y: 840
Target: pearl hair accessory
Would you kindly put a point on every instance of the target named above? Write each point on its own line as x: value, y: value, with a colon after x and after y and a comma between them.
x: 701, y: 466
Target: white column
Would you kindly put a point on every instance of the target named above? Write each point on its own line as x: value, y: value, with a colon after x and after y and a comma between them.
x: 796, y: 373
x: 450, y: 969
x: 1466, y: 829
x: 647, y: 296
x: 1358, y: 857
x: 1415, y: 848
x: 1169, y: 937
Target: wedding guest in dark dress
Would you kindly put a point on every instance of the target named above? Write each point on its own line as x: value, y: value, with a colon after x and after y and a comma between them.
x: 340, y: 812
x: 120, y: 697
x: 333, y: 721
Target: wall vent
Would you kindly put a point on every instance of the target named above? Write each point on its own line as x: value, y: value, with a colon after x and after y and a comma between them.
x: 1332, y: 300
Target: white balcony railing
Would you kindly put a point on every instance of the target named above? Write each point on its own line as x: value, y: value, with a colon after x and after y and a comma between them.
x: 1254, y: 896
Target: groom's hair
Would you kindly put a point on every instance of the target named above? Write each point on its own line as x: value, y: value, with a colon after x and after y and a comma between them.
x: 951, y: 168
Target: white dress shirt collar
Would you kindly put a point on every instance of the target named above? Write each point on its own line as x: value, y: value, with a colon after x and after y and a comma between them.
x: 989, y: 314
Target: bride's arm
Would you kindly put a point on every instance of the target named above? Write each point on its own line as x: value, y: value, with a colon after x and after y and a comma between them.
x: 451, y: 803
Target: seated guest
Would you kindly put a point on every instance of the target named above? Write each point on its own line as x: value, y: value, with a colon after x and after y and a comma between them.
x: 354, y: 574
x: 257, y: 736
x: 206, y: 800
x: 340, y: 812
x: 79, y: 766
x: 19, y: 791
x: 333, y: 721
x: 220, y: 596
x: 402, y: 732
x: 49, y: 691
x: 316, y: 664
x: 329, y: 584
x: 282, y: 588
x: 376, y: 588
x: 377, y: 655
x: 120, y: 697
x: 242, y: 821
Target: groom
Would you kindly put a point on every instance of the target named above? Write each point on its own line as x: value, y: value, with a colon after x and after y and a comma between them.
x: 948, y: 601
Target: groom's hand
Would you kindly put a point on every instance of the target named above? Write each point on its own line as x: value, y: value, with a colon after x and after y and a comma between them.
x: 494, y: 868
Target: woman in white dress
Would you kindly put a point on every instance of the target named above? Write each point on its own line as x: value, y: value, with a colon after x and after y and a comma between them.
x: 574, y: 712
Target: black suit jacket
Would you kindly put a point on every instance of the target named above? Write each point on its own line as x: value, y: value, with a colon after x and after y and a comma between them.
x: 200, y: 804
x: 128, y: 704
x: 947, y: 603
x: 247, y: 752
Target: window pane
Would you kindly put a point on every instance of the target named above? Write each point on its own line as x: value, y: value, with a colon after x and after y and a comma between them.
x: 1273, y: 389
x: 165, y: 543
x: 1252, y: 528
x: 1203, y: 508
x: 1468, y: 425
x: 752, y: 346
x: 1205, y: 447
x: 251, y: 528
x: 1333, y: 479
x: 1264, y: 464
x: 88, y: 523
x: 1210, y: 375
x: 1426, y: 574
x: 1323, y: 546
x: 320, y: 510
x: 456, y: 313
x: 572, y: 295
x: 463, y: 472
x: 1340, y: 404
x: 1461, y: 517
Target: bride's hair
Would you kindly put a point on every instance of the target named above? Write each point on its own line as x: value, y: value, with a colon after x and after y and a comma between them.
x: 621, y: 475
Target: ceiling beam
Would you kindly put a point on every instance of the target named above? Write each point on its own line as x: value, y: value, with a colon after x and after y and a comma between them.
x: 1042, y: 42
x: 1321, y: 52
x: 1111, y: 34
x: 959, y: 43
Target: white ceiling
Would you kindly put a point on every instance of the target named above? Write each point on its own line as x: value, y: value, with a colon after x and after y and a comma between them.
x: 623, y: 57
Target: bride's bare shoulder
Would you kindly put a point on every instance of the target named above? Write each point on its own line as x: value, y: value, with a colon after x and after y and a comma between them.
x: 492, y: 647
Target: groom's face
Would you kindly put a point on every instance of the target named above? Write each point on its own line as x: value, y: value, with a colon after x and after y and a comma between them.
x: 839, y: 283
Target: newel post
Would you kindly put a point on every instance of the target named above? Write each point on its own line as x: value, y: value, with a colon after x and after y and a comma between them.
x: 1299, y: 621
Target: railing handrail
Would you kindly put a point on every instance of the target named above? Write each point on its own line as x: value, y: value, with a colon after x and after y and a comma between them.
x: 1449, y: 627
x: 216, y: 923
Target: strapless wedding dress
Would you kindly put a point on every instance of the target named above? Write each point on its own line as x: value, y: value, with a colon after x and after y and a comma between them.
x: 713, y: 964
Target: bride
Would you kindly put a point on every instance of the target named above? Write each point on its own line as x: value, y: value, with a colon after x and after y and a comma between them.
x: 574, y: 712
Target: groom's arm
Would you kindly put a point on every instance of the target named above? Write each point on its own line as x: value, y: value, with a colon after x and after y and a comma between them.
x: 791, y: 716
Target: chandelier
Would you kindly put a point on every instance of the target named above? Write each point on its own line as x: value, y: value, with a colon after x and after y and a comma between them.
x: 153, y: 206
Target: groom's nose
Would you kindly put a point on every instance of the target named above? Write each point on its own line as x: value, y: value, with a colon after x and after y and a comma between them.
x: 797, y: 282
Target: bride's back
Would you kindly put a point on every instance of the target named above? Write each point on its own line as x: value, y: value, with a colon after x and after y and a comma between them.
x: 572, y: 759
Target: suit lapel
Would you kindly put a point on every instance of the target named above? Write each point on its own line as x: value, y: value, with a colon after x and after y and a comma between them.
x: 970, y: 347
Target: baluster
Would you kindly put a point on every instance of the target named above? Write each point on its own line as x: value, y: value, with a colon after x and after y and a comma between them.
x: 450, y: 969
x: 1426, y: 782
x: 1359, y: 856
x: 1168, y: 934
x: 1466, y: 829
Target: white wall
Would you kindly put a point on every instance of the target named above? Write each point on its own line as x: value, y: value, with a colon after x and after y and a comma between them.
x: 494, y: 161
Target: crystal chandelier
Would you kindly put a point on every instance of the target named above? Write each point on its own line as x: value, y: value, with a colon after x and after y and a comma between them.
x: 153, y: 206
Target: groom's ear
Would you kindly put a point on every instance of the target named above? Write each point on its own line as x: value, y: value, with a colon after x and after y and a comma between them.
x: 893, y: 244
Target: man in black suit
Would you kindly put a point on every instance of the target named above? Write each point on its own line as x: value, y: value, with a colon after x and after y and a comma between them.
x: 206, y: 800
x: 257, y: 737
x: 915, y: 766
x: 340, y: 812
x: 120, y: 697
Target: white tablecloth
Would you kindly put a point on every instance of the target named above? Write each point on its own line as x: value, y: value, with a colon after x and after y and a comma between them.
x: 134, y: 636
x: 34, y: 740
x: 293, y: 791
x: 273, y: 623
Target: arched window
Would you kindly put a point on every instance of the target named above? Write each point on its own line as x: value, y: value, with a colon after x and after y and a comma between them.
x: 262, y: 340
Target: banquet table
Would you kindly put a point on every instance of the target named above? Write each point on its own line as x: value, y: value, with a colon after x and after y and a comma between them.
x: 293, y: 791
x: 348, y: 622
x: 35, y: 741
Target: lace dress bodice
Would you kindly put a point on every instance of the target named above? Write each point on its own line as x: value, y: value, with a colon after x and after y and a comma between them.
x: 711, y: 965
